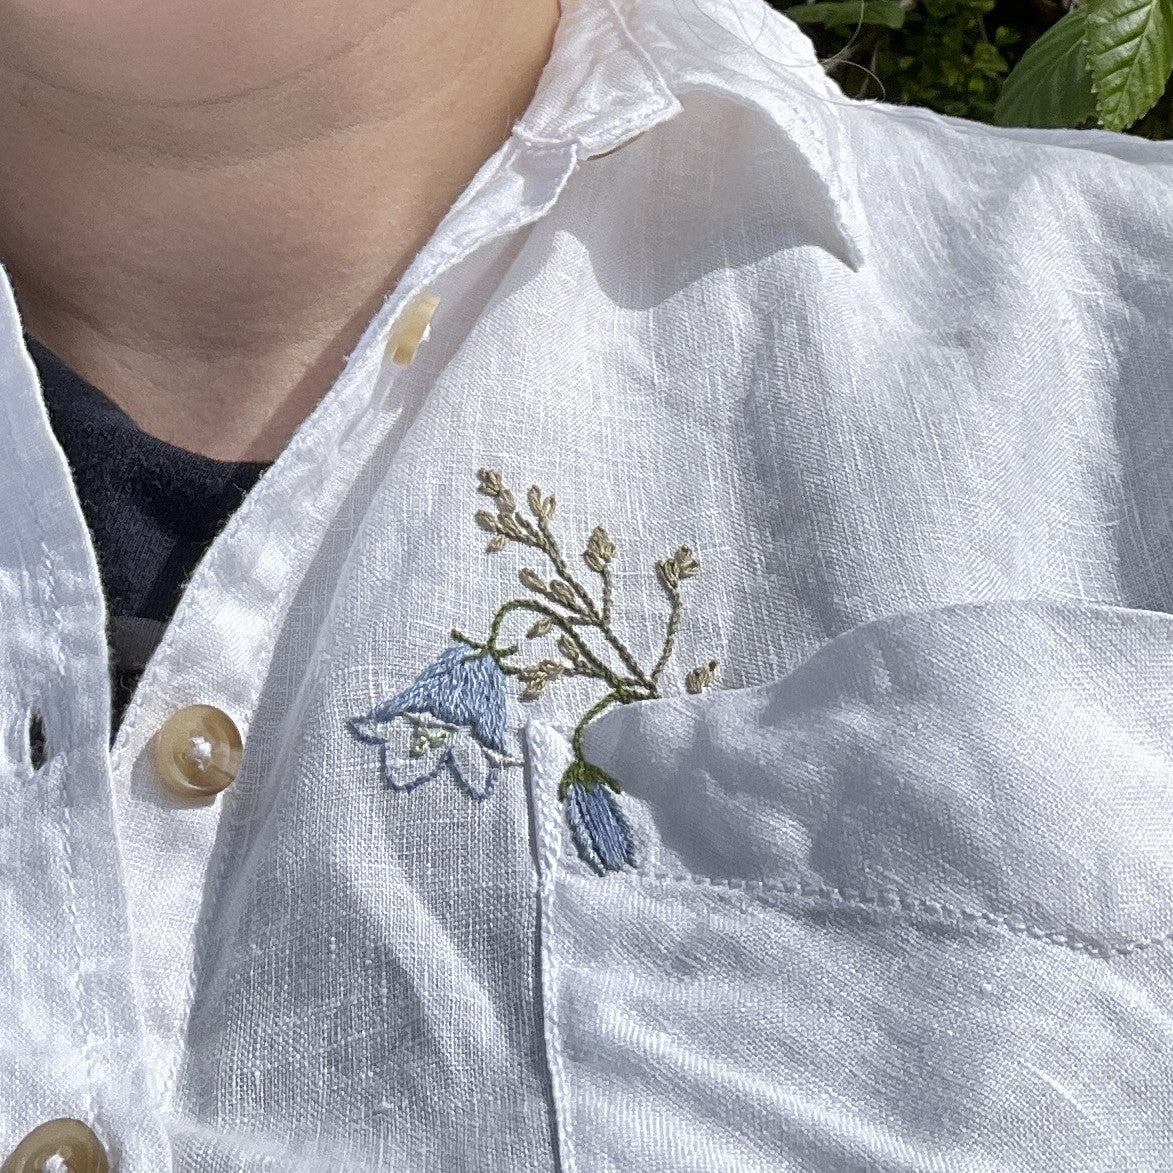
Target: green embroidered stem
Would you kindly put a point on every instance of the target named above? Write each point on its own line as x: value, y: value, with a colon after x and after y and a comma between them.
x: 603, y: 702
x: 552, y: 550
x: 579, y: 764
x: 606, y: 573
x: 670, y: 634
x: 577, y: 607
x: 619, y: 685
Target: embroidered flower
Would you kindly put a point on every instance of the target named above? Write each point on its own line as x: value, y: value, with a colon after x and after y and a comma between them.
x: 450, y: 719
x: 561, y: 605
x: 601, y: 833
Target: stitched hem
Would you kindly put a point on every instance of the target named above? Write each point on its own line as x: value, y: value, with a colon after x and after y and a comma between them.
x: 548, y: 846
x: 911, y: 908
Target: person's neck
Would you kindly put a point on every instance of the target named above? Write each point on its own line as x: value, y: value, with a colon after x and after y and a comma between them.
x: 210, y: 267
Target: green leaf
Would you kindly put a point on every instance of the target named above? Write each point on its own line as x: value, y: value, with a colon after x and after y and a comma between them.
x: 840, y: 12
x: 1129, y: 45
x: 1051, y: 85
x: 987, y: 60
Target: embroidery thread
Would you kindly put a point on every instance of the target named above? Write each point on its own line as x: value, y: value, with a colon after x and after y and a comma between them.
x: 452, y: 717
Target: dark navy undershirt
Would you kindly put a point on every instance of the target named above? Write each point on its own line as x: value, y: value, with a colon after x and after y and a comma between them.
x: 152, y: 508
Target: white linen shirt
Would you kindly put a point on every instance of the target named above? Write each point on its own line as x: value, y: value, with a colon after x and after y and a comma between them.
x: 894, y: 892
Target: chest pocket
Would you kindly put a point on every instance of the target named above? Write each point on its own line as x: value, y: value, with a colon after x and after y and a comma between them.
x: 908, y: 908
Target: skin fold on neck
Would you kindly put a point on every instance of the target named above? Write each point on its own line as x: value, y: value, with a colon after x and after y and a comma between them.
x: 204, y: 203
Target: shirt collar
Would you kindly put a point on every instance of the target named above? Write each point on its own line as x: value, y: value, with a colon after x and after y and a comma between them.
x: 618, y: 68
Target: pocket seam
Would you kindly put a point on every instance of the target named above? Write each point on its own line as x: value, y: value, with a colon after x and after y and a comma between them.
x: 912, y: 907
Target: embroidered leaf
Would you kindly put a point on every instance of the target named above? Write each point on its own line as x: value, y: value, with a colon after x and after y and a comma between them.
x: 505, y: 501
x: 499, y: 542
x: 687, y: 564
x: 600, y: 549
x: 569, y: 649
x: 490, y: 482
x: 563, y: 594
x: 682, y: 564
x: 488, y: 521
x: 541, y: 507
x: 700, y: 678
x: 542, y: 627
x: 535, y: 676
x: 508, y: 524
x: 532, y: 579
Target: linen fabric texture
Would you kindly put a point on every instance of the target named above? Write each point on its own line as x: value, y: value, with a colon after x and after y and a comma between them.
x: 901, y: 896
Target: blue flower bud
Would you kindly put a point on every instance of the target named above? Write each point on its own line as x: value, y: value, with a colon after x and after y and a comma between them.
x: 599, y: 828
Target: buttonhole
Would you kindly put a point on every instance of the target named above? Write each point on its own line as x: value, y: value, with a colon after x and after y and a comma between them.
x: 36, y: 733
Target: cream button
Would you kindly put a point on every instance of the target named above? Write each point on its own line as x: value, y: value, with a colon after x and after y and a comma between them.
x: 412, y: 327
x: 198, y: 752
x: 74, y: 1145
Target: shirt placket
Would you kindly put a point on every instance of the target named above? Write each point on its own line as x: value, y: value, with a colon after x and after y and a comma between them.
x: 188, y: 731
x: 70, y: 1025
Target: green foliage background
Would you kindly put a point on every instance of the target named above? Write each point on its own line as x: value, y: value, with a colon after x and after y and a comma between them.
x: 1101, y: 64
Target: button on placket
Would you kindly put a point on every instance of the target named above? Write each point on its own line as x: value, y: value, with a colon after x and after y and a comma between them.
x: 65, y: 1144
x: 198, y: 752
x: 412, y: 328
